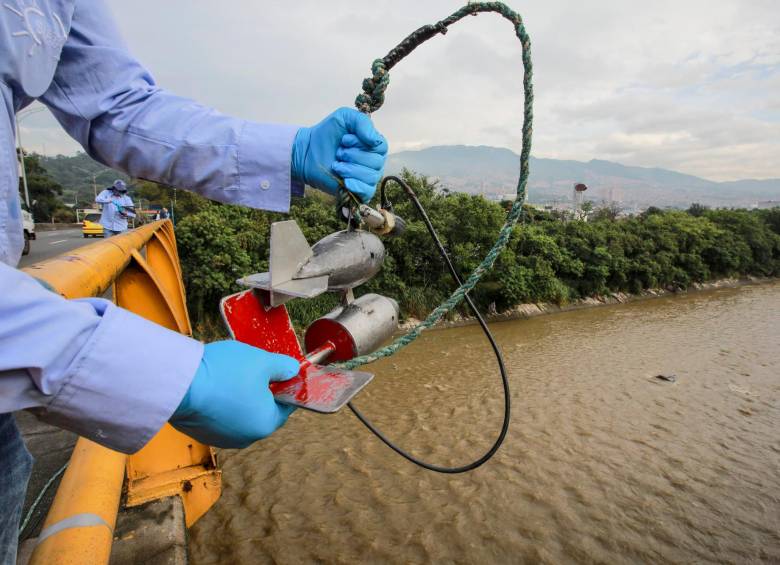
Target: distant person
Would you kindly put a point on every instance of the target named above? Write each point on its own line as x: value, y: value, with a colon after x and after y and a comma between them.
x: 117, y: 208
x: 164, y: 214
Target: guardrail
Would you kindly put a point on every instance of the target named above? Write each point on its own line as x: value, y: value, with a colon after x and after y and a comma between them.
x: 143, y: 267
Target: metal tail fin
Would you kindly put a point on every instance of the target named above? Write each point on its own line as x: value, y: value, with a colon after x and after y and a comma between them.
x: 289, y: 250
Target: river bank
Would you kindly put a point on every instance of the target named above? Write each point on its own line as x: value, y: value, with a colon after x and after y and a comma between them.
x: 531, y: 310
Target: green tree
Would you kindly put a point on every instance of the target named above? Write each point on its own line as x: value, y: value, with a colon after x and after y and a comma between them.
x: 546, y: 260
x: 697, y: 209
x: 609, y: 213
x: 44, y: 192
x: 213, y: 255
x: 181, y: 203
x: 587, y: 208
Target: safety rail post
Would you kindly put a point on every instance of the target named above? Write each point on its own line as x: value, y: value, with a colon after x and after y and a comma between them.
x: 143, y: 266
x: 79, y: 527
x: 172, y: 463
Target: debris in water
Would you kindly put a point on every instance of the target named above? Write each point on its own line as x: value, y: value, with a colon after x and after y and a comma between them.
x: 667, y: 378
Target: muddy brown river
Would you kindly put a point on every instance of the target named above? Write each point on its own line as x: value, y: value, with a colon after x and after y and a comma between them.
x: 603, y: 463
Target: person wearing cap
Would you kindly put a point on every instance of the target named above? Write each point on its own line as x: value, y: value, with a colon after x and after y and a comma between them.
x: 117, y: 208
x: 75, y: 363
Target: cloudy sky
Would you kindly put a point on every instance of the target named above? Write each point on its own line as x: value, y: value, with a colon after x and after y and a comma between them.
x: 690, y: 85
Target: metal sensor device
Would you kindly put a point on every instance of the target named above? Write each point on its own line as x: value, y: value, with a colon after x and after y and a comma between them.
x: 338, y: 262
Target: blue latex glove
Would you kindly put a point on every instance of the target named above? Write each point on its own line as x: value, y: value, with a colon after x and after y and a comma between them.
x: 344, y: 143
x: 229, y: 403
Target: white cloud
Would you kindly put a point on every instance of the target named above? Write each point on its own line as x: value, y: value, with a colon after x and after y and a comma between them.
x: 685, y: 85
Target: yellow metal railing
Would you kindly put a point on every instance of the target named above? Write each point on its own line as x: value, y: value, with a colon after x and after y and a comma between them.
x: 143, y: 267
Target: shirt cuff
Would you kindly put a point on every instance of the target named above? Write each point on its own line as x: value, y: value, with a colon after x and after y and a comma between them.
x: 128, y: 381
x: 265, y: 166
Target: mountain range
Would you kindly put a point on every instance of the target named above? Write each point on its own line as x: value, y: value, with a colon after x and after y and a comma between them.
x: 493, y: 171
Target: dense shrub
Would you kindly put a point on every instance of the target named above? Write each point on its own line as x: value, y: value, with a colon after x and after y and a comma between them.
x: 547, y: 259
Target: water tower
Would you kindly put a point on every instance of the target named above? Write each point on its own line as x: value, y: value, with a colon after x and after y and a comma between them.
x: 577, y: 198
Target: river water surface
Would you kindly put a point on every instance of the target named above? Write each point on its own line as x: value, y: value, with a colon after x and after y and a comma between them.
x: 603, y: 462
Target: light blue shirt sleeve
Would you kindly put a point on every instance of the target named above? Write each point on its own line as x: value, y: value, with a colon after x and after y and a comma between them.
x: 104, y: 197
x: 110, y: 104
x: 89, y: 366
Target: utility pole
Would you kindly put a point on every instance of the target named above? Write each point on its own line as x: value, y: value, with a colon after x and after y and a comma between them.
x: 21, y: 160
x: 94, y: 178
x: 17, y: 119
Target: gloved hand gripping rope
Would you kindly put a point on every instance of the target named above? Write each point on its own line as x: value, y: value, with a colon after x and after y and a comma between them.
x: 370, y: 100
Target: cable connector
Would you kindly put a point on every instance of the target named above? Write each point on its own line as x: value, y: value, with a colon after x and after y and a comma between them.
x: 381, y: 221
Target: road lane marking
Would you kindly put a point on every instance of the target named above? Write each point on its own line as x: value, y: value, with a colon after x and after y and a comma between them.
x: 57, y: 233
x: 58, y: 241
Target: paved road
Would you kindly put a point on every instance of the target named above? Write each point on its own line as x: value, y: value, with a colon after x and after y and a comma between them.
x: 51, y: 243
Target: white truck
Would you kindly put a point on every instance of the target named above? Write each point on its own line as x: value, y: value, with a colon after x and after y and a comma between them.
x: 29, y: 229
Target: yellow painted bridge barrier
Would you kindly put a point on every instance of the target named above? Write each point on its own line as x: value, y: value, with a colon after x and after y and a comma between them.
x: 143, y: 267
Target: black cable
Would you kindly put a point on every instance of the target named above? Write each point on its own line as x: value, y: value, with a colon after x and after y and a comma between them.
x: 502, y: 368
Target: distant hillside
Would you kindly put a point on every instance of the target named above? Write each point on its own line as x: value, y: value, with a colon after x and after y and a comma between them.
x: 75, y: 174
x: 493, y: 171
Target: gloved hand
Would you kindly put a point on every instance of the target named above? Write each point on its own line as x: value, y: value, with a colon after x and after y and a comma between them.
x: 344, y: 143
x: 229, y: 403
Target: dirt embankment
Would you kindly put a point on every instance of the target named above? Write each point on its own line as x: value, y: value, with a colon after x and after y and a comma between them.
x: 538, y: 309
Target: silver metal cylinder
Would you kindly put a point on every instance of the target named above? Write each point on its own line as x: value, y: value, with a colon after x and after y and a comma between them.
x: 361, y: 326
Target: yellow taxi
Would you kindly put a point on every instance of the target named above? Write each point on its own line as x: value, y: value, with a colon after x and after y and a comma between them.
x: 90, y: 226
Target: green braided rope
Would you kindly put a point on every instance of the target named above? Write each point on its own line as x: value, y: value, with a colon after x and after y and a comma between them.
x: 373, y: 97
x: 38, y: 498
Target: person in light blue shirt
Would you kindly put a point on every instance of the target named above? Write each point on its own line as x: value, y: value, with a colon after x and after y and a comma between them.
x: 62, y: 359
x: 117, y: 208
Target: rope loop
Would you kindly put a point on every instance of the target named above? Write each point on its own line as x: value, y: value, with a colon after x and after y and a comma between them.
x: 372, y: 98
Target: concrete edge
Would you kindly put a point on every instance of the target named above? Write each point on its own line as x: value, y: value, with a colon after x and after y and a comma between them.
x: 151, y: 534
